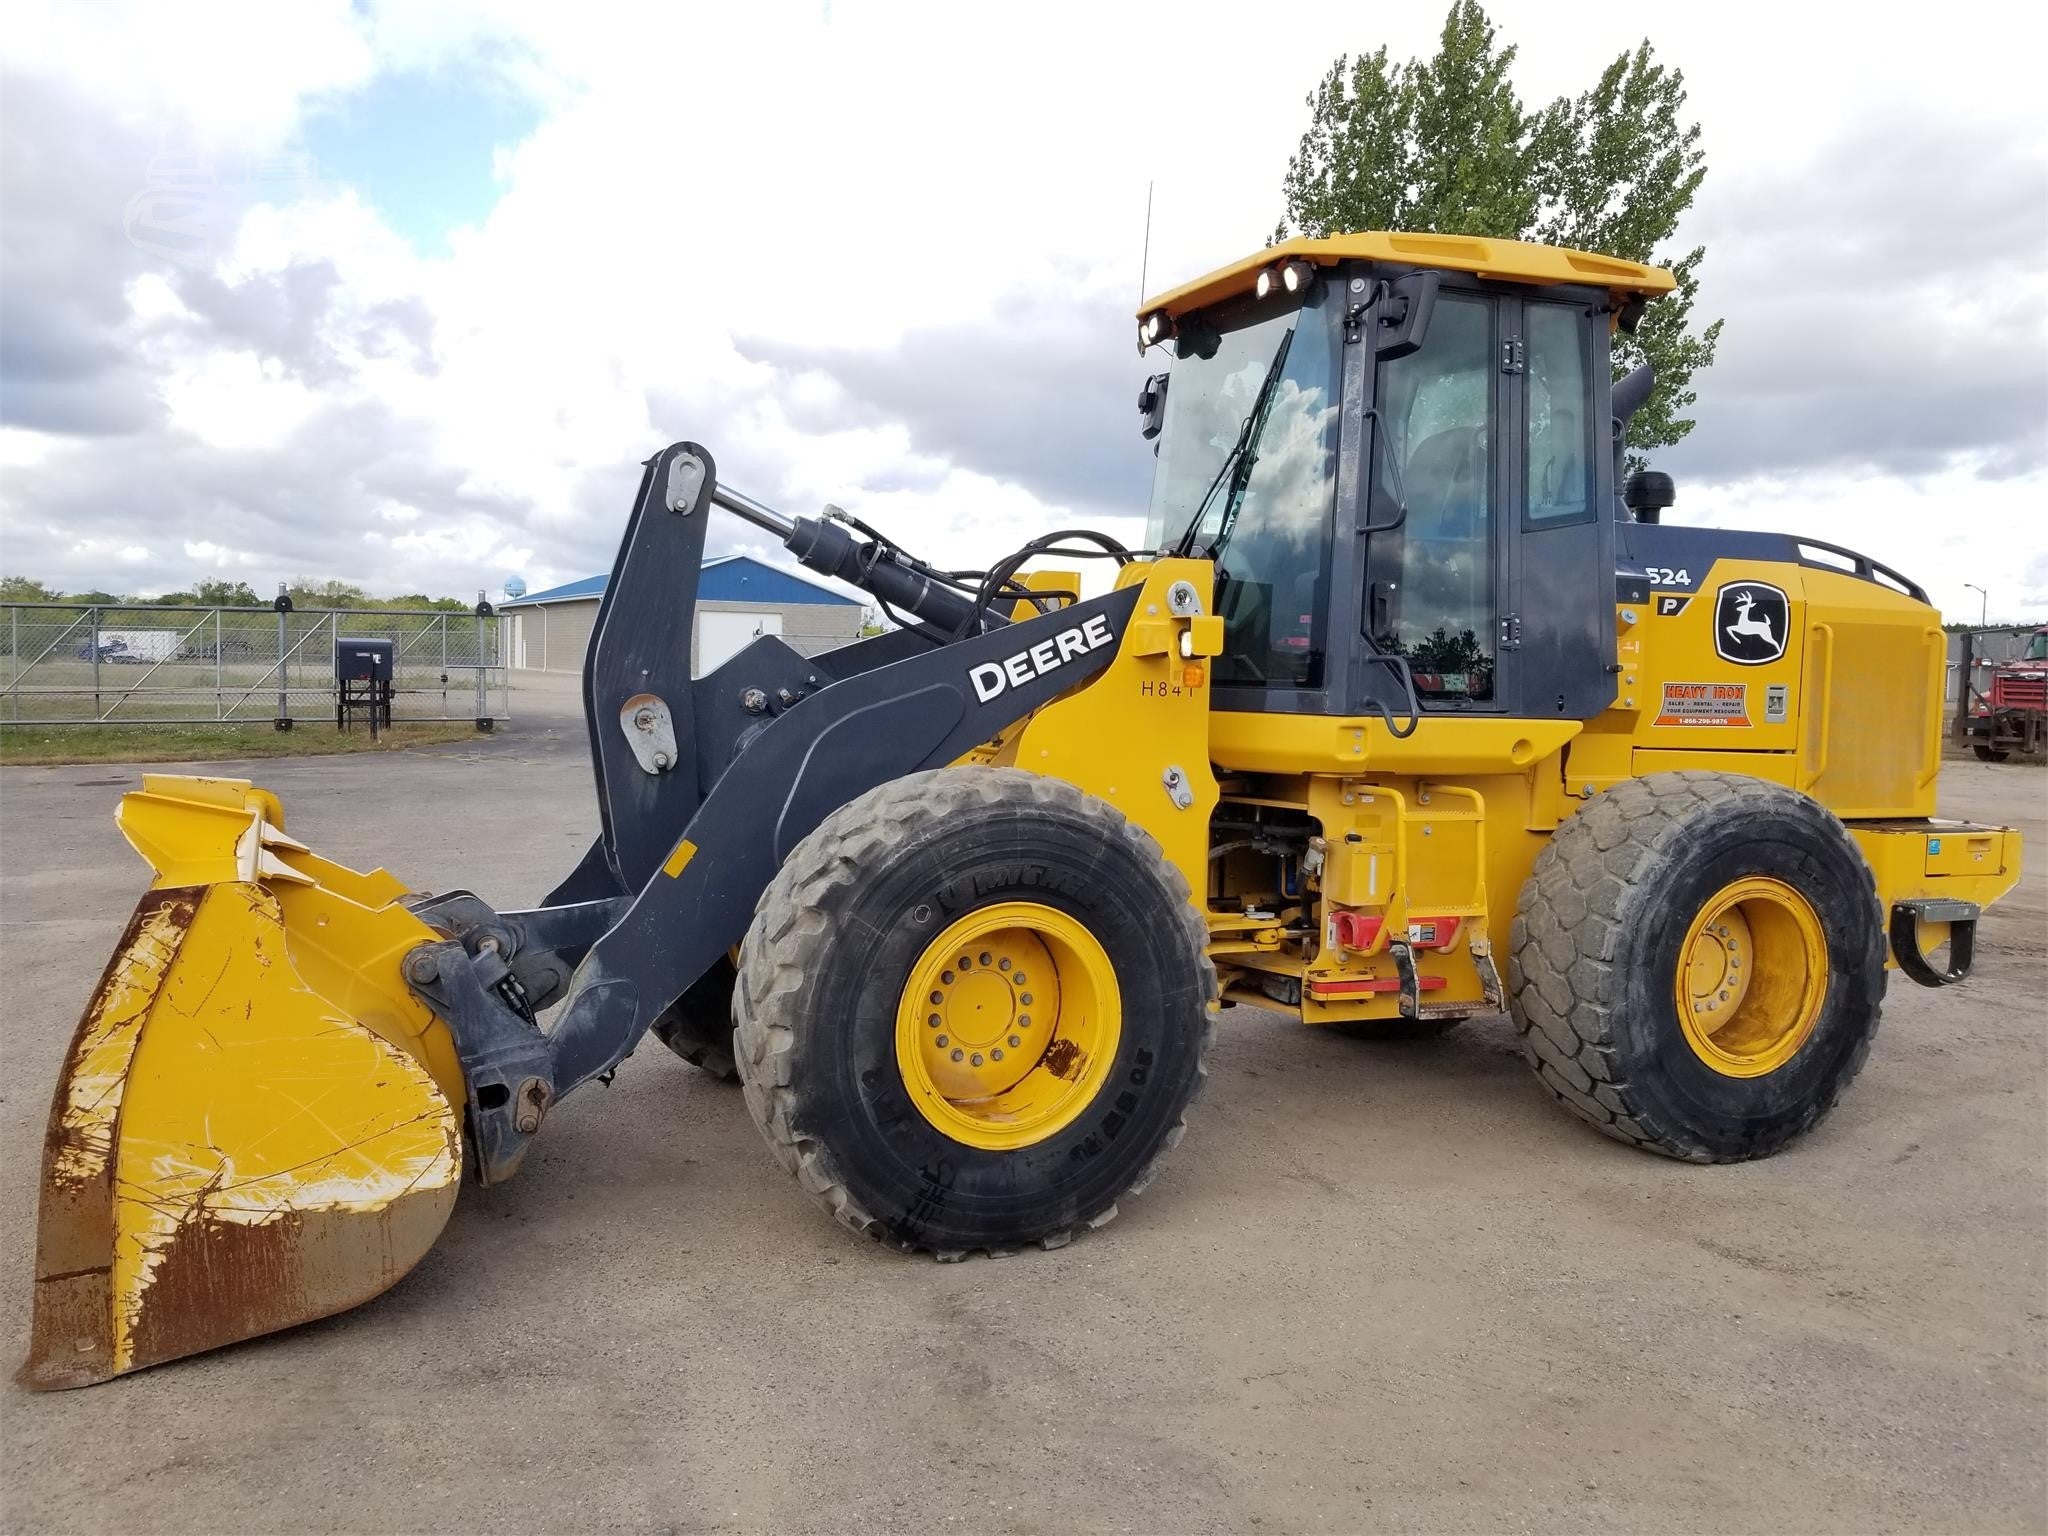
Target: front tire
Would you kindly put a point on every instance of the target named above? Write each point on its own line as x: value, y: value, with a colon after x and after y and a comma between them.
x: 1697, y: 965
x: 1990, y: 754
x: 972, y: 1009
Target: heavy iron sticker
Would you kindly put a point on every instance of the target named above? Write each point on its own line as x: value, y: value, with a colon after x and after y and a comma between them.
x: 1720, y: 704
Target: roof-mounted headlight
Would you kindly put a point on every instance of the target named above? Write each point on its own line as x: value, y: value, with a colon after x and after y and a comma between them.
x: 1291, y: 277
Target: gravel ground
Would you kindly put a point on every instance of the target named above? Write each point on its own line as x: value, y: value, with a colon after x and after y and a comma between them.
x: 1378, y: 1286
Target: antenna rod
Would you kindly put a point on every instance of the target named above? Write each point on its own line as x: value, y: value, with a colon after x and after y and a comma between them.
x: 1145, y: 260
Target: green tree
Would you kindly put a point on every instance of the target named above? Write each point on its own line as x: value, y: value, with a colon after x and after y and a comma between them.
x: 332, y: 593
x: 26, y: 589
x: 96, y: 598
x: 1444, y: 144
x: 228, y: 594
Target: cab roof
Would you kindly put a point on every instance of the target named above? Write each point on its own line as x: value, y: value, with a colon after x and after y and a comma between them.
x: 1512, y: 261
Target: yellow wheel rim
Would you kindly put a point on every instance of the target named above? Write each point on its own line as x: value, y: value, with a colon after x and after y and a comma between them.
x: 1752, y: 974
x: 1008, y: 1025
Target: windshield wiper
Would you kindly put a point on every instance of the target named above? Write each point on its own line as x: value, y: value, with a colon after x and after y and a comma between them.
x: 1237, y: 464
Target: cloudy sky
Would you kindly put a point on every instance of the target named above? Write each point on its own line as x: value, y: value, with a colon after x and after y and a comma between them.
x: 402, y: 293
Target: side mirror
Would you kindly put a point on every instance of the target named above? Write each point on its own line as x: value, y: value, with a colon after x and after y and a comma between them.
x: 1404, y: 310
x: 1152, y: 405
x: 1648, y: 493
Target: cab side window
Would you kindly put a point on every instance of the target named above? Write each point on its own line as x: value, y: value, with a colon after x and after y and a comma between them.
x: 1560, y: 449
x: 1430, y: 575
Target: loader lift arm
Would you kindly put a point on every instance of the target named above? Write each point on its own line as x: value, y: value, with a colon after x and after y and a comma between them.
x: 685, y: 853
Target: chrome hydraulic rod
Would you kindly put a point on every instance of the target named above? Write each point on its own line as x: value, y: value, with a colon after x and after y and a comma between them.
x: 742, y: 505
x: 832, y: 550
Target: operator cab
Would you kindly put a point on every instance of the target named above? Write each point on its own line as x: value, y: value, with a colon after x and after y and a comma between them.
x: 1399, y: 451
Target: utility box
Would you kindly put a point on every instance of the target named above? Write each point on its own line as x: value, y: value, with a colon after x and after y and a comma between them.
x: 364, y: 672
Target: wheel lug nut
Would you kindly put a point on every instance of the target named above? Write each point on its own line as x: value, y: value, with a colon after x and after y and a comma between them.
x: 941, y: 1044
x: 1024, y: 1020
x: 1020, y: 982
x: 975, y: 1059
x: 1015, y: 1041
x: 938, y: 997
x: 956, y: 1055
x: 933, y: 1021
x: 965, y: 963
x: 946, y: 977
x: 986, y: 958
x: 1003, y: 964
x: 996, y: 1054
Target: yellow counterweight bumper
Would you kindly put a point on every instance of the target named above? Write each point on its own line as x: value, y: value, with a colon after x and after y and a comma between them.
x: 1932, y: 875
x: 256, y: 1124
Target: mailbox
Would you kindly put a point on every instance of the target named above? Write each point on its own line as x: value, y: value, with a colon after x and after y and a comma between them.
x: 364, y: 670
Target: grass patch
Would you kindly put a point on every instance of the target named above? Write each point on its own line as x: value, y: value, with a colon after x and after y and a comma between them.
x: 24, y: 745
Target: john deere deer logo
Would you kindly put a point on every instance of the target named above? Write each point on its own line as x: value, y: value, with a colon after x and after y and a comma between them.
x: 1750, y: 620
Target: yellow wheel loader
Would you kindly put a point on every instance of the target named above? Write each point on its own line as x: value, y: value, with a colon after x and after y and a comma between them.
x: 1410, y: 709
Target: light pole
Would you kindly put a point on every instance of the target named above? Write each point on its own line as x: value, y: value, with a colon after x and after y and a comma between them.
x: 1984, y: 609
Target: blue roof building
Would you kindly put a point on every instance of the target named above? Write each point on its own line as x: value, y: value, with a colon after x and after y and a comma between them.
x: 739, y: 599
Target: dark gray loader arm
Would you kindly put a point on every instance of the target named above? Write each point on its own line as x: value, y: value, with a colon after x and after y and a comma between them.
x: 640, y: 646
x: 697, y: 861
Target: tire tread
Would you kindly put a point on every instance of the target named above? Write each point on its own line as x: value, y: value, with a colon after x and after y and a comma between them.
x: 1599, y: 866
x: 800, y: 907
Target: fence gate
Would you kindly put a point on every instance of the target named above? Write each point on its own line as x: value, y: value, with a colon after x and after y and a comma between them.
x: 83, y: 664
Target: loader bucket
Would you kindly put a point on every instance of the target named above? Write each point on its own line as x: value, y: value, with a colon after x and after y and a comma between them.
x: 256, y: 1124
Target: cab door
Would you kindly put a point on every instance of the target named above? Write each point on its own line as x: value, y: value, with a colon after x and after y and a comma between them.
x: 1556, y: 628
x: 1489, y: 564
x: 1436, y: 554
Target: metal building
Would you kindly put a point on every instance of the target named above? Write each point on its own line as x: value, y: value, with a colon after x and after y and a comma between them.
x: 738, y: 598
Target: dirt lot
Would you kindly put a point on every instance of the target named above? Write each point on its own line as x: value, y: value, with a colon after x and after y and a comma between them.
x: 1376, y: 1287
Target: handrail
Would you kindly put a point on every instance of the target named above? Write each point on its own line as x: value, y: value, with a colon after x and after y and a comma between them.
x: 1861, y: 565
x: 1817, y: 698
x: 1936, y: 644
x: 1397, y: 886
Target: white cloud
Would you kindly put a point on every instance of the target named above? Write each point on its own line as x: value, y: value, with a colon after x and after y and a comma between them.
x: 110, y: 551
x: 234, y: 400
x: 218, y: 556
x: 226, y: 74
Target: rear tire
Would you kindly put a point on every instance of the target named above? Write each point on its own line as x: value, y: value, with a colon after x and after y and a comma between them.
x: 698, y: 1025
x: 1639, y: 1009
x: 835, y: 1038
x: 1990, y: 754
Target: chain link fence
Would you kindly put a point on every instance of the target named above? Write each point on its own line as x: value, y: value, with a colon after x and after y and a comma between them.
x: 76, y: 664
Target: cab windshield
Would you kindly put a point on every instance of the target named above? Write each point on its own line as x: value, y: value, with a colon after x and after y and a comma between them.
x: 1263, y: 513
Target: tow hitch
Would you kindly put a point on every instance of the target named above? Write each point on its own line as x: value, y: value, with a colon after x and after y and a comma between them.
x: 1908, y: 918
